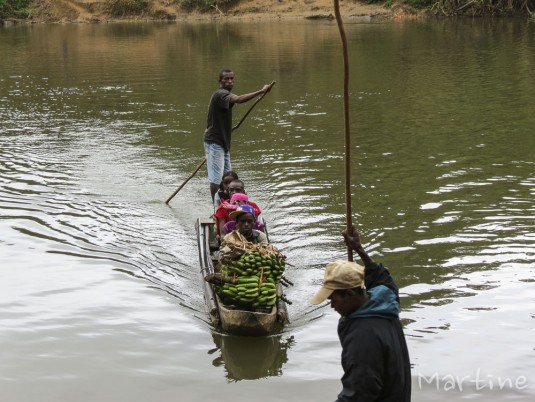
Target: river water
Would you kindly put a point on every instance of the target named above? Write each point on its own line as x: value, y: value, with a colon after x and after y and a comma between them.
x: 101, y: 294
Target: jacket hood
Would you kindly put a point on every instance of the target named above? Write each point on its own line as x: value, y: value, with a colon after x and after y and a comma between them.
x: 382, y: 302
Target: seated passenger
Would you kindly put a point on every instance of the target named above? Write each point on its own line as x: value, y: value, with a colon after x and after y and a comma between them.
x: 223, y: 194
x: 237, y: 186
x: 245, y: 218
x: 238, y: 200
x: 238, y: 197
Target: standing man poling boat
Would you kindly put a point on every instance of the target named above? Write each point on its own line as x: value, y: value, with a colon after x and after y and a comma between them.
x: 217, y: 136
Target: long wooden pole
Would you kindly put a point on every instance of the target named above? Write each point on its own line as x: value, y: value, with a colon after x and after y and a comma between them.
x: 185, y: 181
x: 204, y: 160
x: 252, y: 106
x: 347, y: 137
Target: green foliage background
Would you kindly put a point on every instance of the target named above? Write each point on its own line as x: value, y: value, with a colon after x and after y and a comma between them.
x: 13, y: 9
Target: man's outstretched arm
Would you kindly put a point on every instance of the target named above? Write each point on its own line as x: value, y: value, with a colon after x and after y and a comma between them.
x: 247, y: 97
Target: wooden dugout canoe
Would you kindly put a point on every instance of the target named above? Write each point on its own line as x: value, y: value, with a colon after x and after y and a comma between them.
x: 231, y: 319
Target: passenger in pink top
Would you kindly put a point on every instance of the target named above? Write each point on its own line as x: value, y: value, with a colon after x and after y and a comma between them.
x: 222, y: 213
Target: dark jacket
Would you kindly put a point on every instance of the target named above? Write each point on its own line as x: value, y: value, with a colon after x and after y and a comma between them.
x: 375, y: 357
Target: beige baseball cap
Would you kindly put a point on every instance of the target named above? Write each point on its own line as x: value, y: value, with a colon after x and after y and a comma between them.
x: 339, y: 274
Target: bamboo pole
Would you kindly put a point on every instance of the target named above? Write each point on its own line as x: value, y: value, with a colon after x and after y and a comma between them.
x: 347, y: 137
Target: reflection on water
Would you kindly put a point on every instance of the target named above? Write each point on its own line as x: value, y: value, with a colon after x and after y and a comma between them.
x: 251, y: 358
x: 94, y: 138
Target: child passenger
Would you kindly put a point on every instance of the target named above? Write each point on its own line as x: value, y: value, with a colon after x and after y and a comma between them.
x: 238, y: 197
x: 240, y: 200
x: 223, y: 194
x: 244, y: 216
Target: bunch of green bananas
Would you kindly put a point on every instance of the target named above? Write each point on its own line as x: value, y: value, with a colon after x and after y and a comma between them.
x: 251, y: 280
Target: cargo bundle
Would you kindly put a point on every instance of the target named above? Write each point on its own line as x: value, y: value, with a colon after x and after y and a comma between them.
x: 243, y: 283
x: 251, y: 280
x: 250, y: 273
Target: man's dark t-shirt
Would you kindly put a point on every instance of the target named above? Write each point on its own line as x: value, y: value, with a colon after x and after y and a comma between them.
x: 219, y: 122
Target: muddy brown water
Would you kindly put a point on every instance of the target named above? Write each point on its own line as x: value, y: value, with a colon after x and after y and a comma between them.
x: 100, y: 294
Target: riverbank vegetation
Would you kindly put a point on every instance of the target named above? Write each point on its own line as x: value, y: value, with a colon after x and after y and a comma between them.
x: 14, y: 9
x: 168, y: 9
x: 442, y: 7
x: 476, y: 7
x: 439, y: 7
x: 120, y: 8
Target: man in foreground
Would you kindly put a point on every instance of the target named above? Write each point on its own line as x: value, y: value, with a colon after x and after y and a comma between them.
x: 375, y: 358
x: 218, y: 133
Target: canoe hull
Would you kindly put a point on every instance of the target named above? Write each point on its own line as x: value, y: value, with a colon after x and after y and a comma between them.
x: 228, y: 318
x: 242, y: 322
